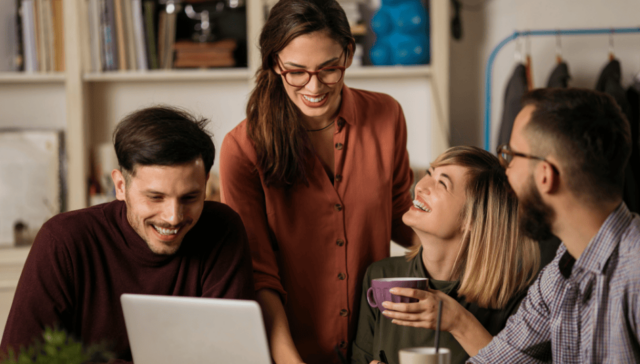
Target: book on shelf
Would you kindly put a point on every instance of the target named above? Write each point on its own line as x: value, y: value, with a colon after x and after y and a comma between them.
x: 58, y: 35
x: 149, y: 27
x: 130, y: 41
x: 9, y: 41
x: 29, y: 42
x: 138, y: 27
x: 120, y: 35
x: 108, y: 24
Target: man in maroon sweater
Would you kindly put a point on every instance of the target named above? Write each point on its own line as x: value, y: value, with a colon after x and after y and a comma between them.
x: 159, y: 237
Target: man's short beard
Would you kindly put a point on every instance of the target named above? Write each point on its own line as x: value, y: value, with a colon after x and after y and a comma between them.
x: 534, y: 216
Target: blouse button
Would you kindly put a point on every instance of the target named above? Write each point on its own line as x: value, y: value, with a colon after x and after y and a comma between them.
x: 343, y: 344
x: 338, y: 207
x: 341, y: 123
x: 339, y: 146
x: 342, y: 276
x: 340, y: 242
x: 344, y: 313
x: 338, y: 177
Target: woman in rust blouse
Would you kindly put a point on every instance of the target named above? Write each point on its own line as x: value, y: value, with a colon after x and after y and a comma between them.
x: 320, y: 175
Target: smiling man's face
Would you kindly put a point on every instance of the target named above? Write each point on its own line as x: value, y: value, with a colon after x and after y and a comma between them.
x: 163, y: 202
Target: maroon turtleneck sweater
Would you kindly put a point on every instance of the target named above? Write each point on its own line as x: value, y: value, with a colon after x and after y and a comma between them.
x: 82, y: 261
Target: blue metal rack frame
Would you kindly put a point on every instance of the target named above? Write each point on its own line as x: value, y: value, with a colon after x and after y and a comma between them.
x: 515, y: 35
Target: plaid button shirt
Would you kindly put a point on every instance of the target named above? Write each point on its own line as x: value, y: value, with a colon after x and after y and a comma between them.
x: 584, y: 311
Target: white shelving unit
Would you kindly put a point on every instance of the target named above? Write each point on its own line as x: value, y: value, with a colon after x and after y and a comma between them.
x: 95, y: 102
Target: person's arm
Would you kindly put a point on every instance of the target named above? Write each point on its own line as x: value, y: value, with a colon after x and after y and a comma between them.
x: 464, y: 327
x: 283, y: 349
x: 402, y: 181
x: 527, y: 337
x: 241, y: 189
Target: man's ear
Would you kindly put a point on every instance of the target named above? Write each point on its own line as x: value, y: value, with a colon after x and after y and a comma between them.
x: 546, y: 177
x: 119, y: 183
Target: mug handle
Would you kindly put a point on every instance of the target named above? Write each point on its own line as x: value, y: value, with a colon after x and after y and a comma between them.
x: 370, y: 298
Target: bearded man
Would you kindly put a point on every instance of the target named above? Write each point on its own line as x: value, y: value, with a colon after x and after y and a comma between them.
x: 565, y: 161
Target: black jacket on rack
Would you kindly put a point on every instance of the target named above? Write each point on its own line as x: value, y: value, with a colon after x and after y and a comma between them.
x: 516, y: 88
x: 609, y: 82
x: 559, y: 76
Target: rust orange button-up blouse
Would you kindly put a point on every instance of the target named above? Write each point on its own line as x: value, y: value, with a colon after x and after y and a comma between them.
x: 313, y: 243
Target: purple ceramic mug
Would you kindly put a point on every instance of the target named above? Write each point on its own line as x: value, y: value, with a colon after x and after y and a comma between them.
x: 379, y: 291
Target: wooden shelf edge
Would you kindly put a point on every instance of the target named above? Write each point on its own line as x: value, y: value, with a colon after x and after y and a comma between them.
x: 230, y: 74
x: 388, y: 71
x: 22, y: 77
x: 13, y: 255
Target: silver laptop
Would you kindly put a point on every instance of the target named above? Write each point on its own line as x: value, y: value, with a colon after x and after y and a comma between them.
x: 169, y: 329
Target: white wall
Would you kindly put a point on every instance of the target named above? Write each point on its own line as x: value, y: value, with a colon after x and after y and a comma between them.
x: 487, y: 25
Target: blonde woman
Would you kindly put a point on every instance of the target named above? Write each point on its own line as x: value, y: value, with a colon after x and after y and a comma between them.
x: 471, y: 250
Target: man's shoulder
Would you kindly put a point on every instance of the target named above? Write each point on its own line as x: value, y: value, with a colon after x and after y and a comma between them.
x: 216, y: 212
x: 629, y: 253
x: 81, y: 221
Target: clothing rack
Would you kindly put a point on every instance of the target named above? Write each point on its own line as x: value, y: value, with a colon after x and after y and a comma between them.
x: 515, y: 35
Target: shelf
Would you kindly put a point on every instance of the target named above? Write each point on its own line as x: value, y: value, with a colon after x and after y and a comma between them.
x: 225, y: 74
x: 388, y: 71
x: 21, y: 77
x: 13, y: 255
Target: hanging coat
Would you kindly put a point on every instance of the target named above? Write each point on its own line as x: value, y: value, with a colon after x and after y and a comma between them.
x: 559, y: 76
x: 609, y: 83
x: 633, y: 96
x: 516, y: 88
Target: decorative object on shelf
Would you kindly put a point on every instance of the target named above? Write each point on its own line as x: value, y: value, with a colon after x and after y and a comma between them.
x: 204, y: 55
x: 203, y: 29
x: 402, y: 33
x: 31, y: 182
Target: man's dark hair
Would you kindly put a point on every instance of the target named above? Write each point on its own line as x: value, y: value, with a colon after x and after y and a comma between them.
x: 588, y: 133
x: 164, y: 136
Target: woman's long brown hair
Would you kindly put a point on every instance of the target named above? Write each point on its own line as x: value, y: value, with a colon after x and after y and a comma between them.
x: 274, y: 127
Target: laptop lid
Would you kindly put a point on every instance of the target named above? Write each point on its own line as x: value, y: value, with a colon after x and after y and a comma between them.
x: 170, y: 329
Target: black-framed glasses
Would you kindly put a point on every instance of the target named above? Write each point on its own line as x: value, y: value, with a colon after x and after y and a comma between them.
x: 505, y: 156
x: 301, y: 77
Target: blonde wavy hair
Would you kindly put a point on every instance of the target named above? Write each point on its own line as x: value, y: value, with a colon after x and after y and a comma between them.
x: 495, y: 260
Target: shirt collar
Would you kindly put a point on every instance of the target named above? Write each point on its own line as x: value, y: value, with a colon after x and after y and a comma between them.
x: 348, y: 107
x: 600, y: 248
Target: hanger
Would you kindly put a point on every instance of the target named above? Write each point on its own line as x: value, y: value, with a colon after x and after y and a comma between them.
x: 558, y: 48
x: 527, y: 46
x: 518, y: 55
x: 612, y: 55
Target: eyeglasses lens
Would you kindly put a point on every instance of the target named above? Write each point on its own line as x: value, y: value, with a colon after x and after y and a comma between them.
x: 327, y: 76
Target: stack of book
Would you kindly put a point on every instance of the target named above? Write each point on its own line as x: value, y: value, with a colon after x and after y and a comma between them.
x: 203, y: 55
x: 40, y: 29
x: 119, y: 36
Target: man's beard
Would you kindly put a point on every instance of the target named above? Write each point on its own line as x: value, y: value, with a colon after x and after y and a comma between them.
x: 534, y: 216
